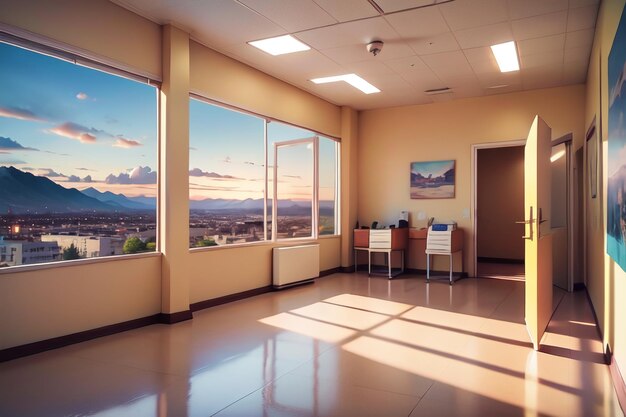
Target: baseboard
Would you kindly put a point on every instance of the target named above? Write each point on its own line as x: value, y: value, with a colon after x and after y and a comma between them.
x: 171, y: 318
x: 618, y: 382
x: 331, y: 271
x: 61, y: 341
x: 499, y: 260
x: 201, y: 305
x: 347, y: 269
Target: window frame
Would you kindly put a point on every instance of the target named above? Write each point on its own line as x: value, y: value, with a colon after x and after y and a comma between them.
x: 57, y: 50
x: 317, y: 134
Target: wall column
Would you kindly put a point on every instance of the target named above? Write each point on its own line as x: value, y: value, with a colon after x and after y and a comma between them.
x: 174, y: 175
x: 349, y: 182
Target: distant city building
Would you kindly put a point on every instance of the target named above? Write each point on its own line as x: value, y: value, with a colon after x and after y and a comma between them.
x: 88, y: 246
x: 15, y: 252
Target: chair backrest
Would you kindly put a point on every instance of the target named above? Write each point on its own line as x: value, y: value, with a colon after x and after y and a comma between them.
x: 380, y: 239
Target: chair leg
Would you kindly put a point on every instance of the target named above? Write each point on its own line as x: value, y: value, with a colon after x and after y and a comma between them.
x: 389, y: 262
x: 450, y: 269
x: 427, y: 267
x: 369, y: 262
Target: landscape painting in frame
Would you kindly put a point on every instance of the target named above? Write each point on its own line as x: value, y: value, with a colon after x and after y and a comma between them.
x: 616, y: 187
x: 432, y: 179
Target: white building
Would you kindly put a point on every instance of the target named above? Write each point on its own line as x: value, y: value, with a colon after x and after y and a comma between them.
x: 15, y: 252
x: 88, y: 246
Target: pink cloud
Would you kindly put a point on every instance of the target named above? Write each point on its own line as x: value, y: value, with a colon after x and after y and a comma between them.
x: 76, y: 132
x: 82, y: 96
x: 21, y: 114
x: 121, y: 142
x: 197, y: 172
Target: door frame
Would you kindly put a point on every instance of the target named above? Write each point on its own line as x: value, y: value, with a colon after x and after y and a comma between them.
x: 474, y: 190
x: 567, y: 139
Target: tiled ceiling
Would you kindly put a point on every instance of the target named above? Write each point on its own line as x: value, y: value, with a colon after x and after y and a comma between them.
x: 429, y: 44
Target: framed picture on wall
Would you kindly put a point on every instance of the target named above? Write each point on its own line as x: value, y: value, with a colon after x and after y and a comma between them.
x: 616, y: 132
x: 592, y: 161
x: 432, y: 179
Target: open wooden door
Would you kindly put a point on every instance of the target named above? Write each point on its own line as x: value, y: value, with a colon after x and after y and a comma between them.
x: 538, y: 246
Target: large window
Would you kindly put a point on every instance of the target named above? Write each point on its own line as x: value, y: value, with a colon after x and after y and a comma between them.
x: 226, y: 176
x: 238, y: 197
x: 78, y: 153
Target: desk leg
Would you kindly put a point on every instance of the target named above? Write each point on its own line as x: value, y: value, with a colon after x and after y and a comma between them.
x: 369, y: 262
x: 355, y: 260
x: 450, y: 269
x: 389, y: 262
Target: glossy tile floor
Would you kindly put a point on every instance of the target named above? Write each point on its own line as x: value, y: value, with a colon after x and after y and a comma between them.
x: 501, y: 271
x: 347, y: 345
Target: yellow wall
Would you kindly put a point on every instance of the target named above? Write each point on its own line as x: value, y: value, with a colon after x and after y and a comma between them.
x: 605, y: 280
x: 500, y: 202
x: 38, y: 304
x: 390, y: 139
x: 97, y: 29
x: 46, y: 303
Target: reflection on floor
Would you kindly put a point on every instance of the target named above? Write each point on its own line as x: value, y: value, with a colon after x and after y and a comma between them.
x: 500, y: 270
x: 347, y: 345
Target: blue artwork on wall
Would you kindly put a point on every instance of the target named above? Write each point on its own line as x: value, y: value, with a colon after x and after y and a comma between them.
x: 616, y: 187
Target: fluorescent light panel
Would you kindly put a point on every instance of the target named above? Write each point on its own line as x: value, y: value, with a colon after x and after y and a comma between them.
x: 352, y: 79
x: 280, y: 45
x: 506, y: 55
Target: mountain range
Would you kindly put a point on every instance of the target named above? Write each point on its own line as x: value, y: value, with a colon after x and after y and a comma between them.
x: 23, y: 192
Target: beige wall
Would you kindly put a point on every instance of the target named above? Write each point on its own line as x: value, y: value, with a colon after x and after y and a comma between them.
x: 605, y: 280
x: 500, y: 202
x: 46, y: 303
x: 97, y: 29
x: 390, y: 139
x: 38, y: 304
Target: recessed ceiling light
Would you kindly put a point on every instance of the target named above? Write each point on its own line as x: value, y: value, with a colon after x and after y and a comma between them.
x: 352, y: 79
x: 498, y: 86
x: 506, y: 55
x: 280, y: 45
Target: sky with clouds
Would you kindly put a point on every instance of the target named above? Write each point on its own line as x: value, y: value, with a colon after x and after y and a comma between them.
x: 84, y: 128
x: 77, y: 126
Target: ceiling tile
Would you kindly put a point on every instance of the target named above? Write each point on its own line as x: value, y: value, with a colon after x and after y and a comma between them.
x: 293, y: 15
x: 358, y: 32
x: 580, y: 53
x: 519, y: 9
x: 389, y: 6
x: 582, y: 18
x: 446, y: 42
x: 542, y: 78
x: 368, y: 68
x: 345, y: 10
x: 484, y: 36
x: 579, y: 3
x: 575, y: 72
x: 500, y: 79
x: 553, y: 43
x: 449, y: 66
x: 579, y: 38
x: 358, y: 52
x: 464, y: 14
x: 419, y: 23
x: 544, y: 59
x: 538, y: 26
x: 407, y: 64
x: 482, y: 60
x: 423, y: 79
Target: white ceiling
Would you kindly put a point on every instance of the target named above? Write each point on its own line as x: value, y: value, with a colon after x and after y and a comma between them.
x: 429, y: 44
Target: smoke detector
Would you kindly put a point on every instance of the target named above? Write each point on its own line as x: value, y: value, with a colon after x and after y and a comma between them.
x: 374, y: 47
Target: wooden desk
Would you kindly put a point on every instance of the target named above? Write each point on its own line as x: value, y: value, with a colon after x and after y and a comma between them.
x: 416, y: 255
x: 384, y: 241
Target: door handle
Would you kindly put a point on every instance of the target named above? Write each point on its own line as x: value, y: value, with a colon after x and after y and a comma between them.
x: 529, y: 222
